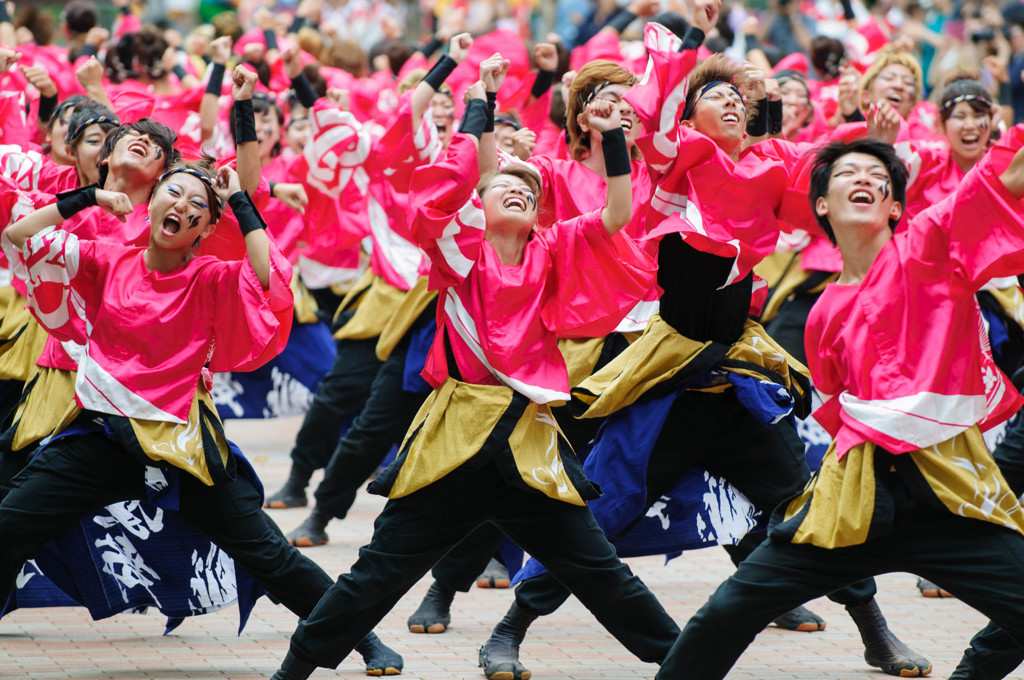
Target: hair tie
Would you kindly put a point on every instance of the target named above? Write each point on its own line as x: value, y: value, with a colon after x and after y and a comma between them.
x: 86, y: 123
x: 966, y: 98
x: 595, y: 92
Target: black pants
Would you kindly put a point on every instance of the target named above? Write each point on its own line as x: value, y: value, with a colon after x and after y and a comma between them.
x: 993, y: 654
x: 79, y: 474
x: 977, y: 561
x: 339, y: 396
x: 384, y: 416
x: 715, y: 432
x: 412, y: 533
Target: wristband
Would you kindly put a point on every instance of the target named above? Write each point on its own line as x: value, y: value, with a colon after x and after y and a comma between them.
x: 297, y: 24
x: 621, y: 20
x: 272, y: 185
x: 757, y: 125
x: 752, y: 43
x: 304, y: 91
x: 249, y: 218
x: 693, y: 39
x: 616, y: 155
x: 441, y: 70
x: 71, y: 202
x: 179, y: 71
x: 270, y: 38
x: 88, y: 50
x: 245, y: 122
x: 126, y: 11
x: 433, y: 45
x: 492, y: 102
x: 215, y: 85
x: 47, y: 105
x: 5, y: 16
x: 774, y: 116
x: 474, y: 118
x: 542, y: 83
x: 848, y: 10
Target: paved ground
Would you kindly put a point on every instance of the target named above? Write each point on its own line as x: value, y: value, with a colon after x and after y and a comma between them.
x: 65, y: 643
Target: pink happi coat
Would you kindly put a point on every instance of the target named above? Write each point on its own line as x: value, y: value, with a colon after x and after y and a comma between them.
x: 902, y: 359
x: 501, y: 322
x: 933, y: 175
x: 718, y: 206
x: 572, y: 189
x: 33, y: 171
x: 146, y: 336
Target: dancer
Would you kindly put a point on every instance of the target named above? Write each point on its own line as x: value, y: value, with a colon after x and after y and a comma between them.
x: 900, y: 489
x: 468, y: 456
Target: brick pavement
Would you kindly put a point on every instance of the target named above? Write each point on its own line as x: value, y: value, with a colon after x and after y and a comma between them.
x: 66, y: 643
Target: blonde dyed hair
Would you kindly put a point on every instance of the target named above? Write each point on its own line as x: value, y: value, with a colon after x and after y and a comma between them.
x: 586, y: 81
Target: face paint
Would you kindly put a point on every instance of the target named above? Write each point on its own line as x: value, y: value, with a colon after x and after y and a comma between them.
x: 983, y: 124
x: 159, y: 151
x: 193, y: 221
x: 885, y: 189
x: 532, y: 199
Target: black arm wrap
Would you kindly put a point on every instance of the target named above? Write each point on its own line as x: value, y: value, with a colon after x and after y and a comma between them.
x: 693, y: 39
x: 249, y: 218
x: 71, y: 202
x: 856, y: 117
x: 616, y: 154
x: 474, y: 118
x: 752, y: 43
x: 272, y: 185
x: 543, y: 83
x: 88, y: 50
x: 848, y: 10
x: 270, y: 38
x: 5, y: 16
x: 304, y: 91
x: 215, y: 85
x: 245, y: 122
x: 621, y: 20
x: 492, y: 103
x: 432, y: 46
x: 47, y: 105
x: 774, y: 116
x: 441, y: 70
x: 179, y: 71
x: 757, y: 125
x: 297, y: 24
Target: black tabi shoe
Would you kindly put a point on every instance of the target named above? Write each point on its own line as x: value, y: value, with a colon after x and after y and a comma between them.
x: 494, y: 576
x: 882, y: 648
x: 378, y: 657
x: 434, y: 613
x: 292, y: 494
x: 499, y: 657
x: 965, y: 671
x: 310, y: 533
x: 292, y: 668
x: 800, y: 619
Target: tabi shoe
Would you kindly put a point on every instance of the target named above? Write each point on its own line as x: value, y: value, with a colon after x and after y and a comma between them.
x: 801, y: 619
x: 378, y: 657
x: 434, y: 613
x: 499, y: 657
x: 310, y: 533
x: 965, y: 671
x: 929, y: 589
x: 292, y: 668
x: 494, y: 576
x: 292, y: 494
x: 882, y: 648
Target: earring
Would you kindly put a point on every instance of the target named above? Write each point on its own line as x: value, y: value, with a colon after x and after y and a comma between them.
x: 197, y: 242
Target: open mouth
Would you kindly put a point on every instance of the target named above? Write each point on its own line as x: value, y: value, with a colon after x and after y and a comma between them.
x: 895, y: 99
x: 442, y: 128
x: 970, y: 140
x: 139, y: 147
x: 862, y: 197
x: 731, y: 117
x: 627, y: 123
x: 515, y: 203
x: 171, y: 225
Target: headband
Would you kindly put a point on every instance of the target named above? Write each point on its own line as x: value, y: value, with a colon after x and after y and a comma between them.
x: 966, y: 98
x: 86, y: 123
x: 595, y: 91
x: 508, y: 121
x: 703, y: 91
x: 203, y: 178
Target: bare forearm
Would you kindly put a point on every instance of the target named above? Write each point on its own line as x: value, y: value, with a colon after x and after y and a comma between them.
x: 257, y: 247
x: 619, y: 208
x: 30, y: 225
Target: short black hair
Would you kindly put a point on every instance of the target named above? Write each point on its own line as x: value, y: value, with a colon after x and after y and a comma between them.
x: 827, y: 157
x: 158, y: 132
x: 85, y: 112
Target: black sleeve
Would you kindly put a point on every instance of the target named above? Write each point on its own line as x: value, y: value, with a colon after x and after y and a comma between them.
x: 621, y: 20
x: 440, y: 72
x: 693, y: 39
x: 855, y: 117
x: 474, y: 118
x: 433, y: 45
x: 47, y: 105
x: 71, y: 202
x: 215, y: 85
x: 249, y: 218
x: 542, y: 84
x: 245, y: 122
x: 304, y: 91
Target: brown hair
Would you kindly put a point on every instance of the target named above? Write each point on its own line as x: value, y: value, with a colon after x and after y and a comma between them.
x: 347, y: 55
x: 205, y: 166
x: 586, y: 81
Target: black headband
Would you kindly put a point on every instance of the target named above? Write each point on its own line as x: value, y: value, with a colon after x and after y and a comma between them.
x: 703, y: 91
x: 86, y: 123
x: 595, y: 91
